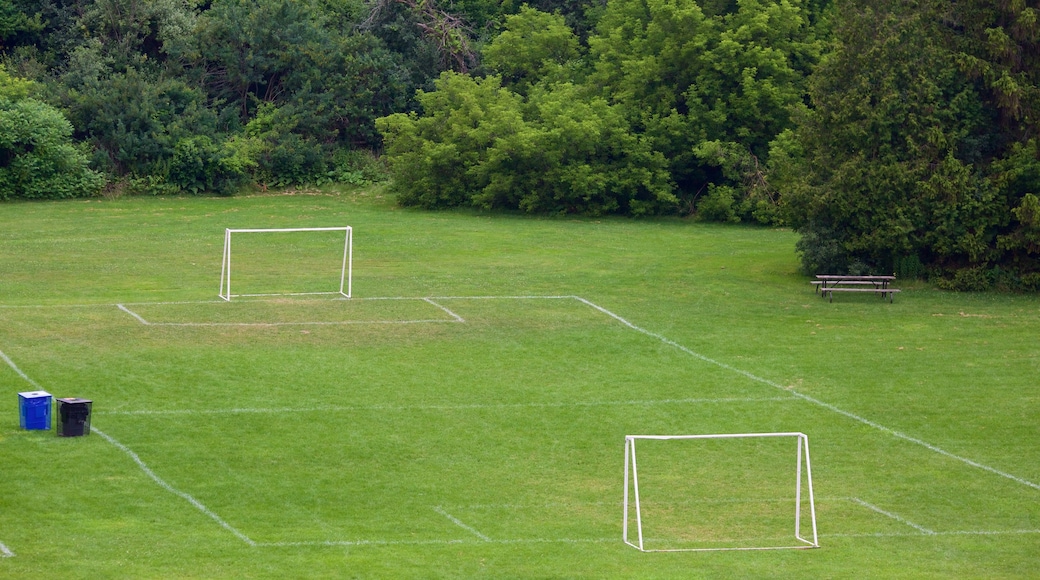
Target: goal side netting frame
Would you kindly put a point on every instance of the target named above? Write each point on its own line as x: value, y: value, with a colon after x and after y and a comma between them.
x: 346, y: 270
x: 632, y: 476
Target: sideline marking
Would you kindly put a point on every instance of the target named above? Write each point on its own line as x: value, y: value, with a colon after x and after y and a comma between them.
x: 460, y: 524
x: 143, y: 467
x: 11, y: 364
x: 348, y: 409
x: 813, y: 400
x: 162, y: 483
x: 5, y: 552
x: 895, y: 517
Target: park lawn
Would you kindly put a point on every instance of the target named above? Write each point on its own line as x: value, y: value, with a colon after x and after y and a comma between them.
x: 480, y: 433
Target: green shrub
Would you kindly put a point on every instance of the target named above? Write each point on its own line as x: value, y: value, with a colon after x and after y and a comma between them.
x: 200, y: 165
x: 37, y: 157
x: 976, y: 279
x: 718, y: 205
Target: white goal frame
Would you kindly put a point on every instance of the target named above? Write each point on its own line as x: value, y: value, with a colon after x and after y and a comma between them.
x: 803, y: 448
x: 346, y: 272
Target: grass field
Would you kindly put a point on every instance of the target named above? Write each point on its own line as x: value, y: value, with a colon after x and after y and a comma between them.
x: 464, y: 414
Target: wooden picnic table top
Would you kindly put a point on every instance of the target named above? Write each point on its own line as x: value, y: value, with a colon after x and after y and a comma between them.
x: 865, y: 278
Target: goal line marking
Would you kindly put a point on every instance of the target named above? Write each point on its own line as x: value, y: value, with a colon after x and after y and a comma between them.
x: 434, y: 542
x: 334, y: 408
x: 461, y: 524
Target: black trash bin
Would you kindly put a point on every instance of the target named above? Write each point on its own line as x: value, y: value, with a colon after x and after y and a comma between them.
x: 73, y: 417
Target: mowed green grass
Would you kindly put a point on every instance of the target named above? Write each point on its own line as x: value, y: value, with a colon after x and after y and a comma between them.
x: 393, y: 440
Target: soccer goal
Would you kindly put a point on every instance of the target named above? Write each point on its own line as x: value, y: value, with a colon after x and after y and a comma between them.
x: 288, y: 261
x: 718, y: 492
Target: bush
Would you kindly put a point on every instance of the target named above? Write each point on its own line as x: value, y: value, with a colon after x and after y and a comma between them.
x: 718, y: 205
x: 37, y: 157
x: 554, y: 152
x: 199, y: 165
x: 977, y: 279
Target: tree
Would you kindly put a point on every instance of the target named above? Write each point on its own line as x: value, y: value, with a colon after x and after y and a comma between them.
x: 919, y: 151
x: 555, y: 152
x: 711, y: 90
x: 534, y: 47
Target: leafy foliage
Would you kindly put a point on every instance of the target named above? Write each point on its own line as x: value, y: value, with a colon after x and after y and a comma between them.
x: 534, y: 47
x: 920, y: 145
x: 478, y: 143
x: 700, y: 82
x: 37, y: 157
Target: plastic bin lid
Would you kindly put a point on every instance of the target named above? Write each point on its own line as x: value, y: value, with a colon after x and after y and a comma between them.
x: 34, y: 394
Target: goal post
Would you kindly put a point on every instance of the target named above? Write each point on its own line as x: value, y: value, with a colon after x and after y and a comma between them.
x: 345, y: 268
x: 800, y: 494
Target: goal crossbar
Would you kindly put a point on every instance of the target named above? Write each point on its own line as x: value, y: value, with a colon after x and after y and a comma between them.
x: 632, y: 476
x: 346, y: 270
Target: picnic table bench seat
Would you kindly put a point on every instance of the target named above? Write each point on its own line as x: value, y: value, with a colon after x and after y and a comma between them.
x: 827, y: 285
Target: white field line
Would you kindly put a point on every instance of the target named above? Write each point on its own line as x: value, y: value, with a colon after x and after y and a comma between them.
x: 349, y: 409
x: 11, y: 364
x: 450, y: 313
x: 162, y: 483
x: 198, y: 505
x: 813, y: 400
x: 5, y: 552
x: 895, y: 517
x: 123, y: 307
x: 271, y: 324
x: 435, y: 542
x: 461, y: 524
x: 516, y: 541
x: 134, y: 314
x: 933, y: 534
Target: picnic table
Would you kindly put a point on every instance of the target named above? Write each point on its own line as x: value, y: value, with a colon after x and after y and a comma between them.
x: 827, y: 285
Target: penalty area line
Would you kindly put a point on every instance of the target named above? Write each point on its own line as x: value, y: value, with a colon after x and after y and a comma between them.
x: 454, y: 318
x: 461, y: 524
x: 895, y: 517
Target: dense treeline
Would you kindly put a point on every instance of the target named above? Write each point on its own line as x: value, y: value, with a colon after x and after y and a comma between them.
x: 921, y: 151
x: 183, y: 95
x: 894, y: 136
x: 665, y: 106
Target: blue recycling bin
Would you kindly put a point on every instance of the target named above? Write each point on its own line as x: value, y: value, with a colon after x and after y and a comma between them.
x: 34, y: 410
